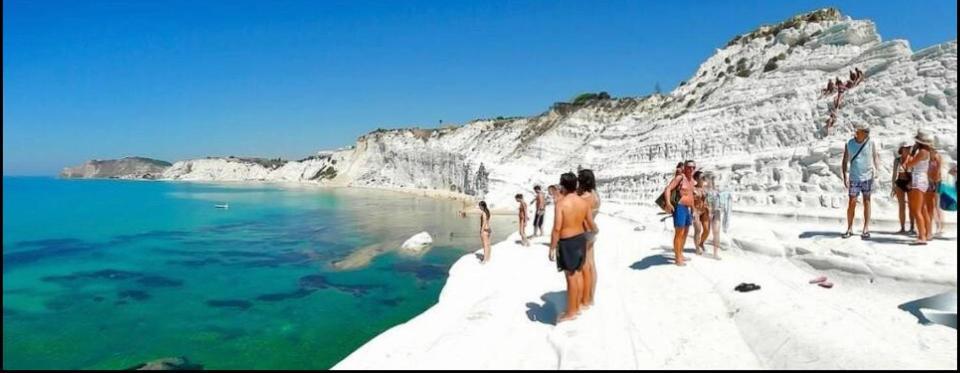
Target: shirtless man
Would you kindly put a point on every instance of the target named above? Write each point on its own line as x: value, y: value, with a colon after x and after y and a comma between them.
x: 682, y: 214
x: 522, y: 211
x: 541, y: 207
x: 568, y: 243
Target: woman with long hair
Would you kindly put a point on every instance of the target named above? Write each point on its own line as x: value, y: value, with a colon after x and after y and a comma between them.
x: 485, y: 231
x: 932, y: 197
x: 587, y: 189
x: 901, y: 185
x: 918, y: 162
x: 701, y: 217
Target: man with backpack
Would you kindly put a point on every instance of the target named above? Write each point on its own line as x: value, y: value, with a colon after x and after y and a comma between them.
x: 859, y: 168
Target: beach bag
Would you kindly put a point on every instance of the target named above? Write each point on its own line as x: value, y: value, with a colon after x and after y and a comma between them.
x: 948, y: 197
x: 674, y: 200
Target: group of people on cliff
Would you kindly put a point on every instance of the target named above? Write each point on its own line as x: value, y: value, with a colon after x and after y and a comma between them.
x: 839, y: 87
x: 572, y: 237
x: 693, y: 198
x: 917, y: 183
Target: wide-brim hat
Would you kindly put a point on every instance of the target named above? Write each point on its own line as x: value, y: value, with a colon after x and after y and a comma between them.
x: 861, y: 126
x: 924, y: 137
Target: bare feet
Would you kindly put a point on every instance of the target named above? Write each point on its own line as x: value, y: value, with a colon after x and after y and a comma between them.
x: 565, y: 317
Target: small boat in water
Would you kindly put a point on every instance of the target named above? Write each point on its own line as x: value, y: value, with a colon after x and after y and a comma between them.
x: 222, y: 206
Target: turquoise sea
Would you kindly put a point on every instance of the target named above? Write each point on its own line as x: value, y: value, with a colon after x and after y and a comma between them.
x: 109, y: 273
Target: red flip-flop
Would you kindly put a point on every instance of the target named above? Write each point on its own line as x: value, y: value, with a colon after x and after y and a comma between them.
x: 818, y: 280
x: 826, y: 284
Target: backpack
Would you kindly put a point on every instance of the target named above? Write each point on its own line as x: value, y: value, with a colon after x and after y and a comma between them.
x: 674, y: 199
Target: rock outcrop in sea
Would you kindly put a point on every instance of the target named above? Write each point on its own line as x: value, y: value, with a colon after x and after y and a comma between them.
x: 125, y: 168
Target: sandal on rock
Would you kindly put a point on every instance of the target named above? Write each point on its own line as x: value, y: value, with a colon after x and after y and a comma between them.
x: 818, y: 279
x: 865, y: 235
x: 846, y: 235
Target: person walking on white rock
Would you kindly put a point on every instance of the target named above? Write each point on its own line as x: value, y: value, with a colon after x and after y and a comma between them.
x: 568, y: 243
x: 858, y: 169
x: 682, y: 214
x: 485, y: 231
x: 523, y: 217
x: 587, y: 190
x: 918, y: 162
x: 901, y: 185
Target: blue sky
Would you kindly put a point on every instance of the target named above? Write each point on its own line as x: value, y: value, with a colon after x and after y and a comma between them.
x: 180, y: 79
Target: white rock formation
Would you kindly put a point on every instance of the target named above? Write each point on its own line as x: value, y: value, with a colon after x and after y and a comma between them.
x: 124, y: 168
x: 417, y: 244
x: 751, y: 113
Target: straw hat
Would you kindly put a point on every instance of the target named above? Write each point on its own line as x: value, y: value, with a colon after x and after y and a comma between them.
x: 861, y: 126
x: 924, y: 137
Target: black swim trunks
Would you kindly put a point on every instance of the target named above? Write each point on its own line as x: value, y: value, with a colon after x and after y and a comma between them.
x: 571, y: 252
x: 538, y: 219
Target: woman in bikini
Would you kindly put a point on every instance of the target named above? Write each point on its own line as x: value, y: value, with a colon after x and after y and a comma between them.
x: 587, y: 189
x: 932, y: 197
x: 901, y: 185
x: 918, y: 162
x: 485, y: 231
x: 701, y: 217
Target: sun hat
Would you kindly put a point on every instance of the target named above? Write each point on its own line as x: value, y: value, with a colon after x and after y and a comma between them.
x: 861, y: 126
x: 924, y: 137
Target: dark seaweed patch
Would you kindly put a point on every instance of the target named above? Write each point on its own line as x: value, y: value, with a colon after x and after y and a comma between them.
x: 105, y: 274
x: 230, y: 303
x: 313, y: 282
x: 44, y: 249
x: 423, y: 272
x: 160, y: 234
x: 276, y: 297
x: 321, y: 282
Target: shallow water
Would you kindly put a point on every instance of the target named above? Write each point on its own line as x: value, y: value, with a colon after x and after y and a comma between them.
x: 108, y: 274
